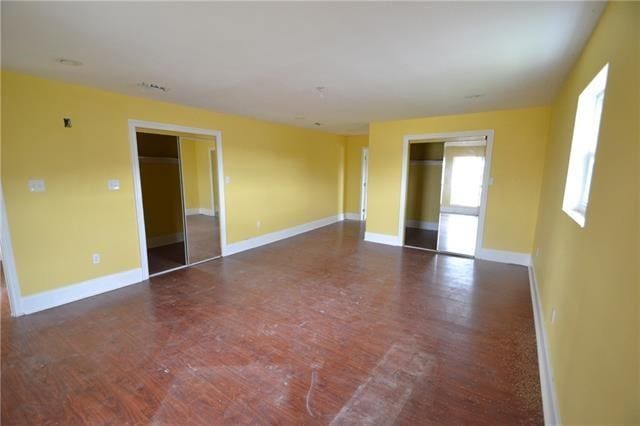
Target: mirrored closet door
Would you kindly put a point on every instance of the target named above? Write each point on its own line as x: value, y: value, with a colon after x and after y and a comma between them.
x: 199, y: 177
x: 178, y: 175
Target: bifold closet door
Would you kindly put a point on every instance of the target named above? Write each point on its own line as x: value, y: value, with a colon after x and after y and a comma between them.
x: 199, y: 180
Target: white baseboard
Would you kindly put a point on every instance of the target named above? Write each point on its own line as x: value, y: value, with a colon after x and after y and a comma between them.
x: 352, y: 216
x: 391, y: 240
x: 502, y: 256
x: 206, y: 212
x: 272, y: 237
x: 469, y: 211
x: 422, y: 224
x: 164, y: 240
x: 547, y: 387
x: 71, y: 293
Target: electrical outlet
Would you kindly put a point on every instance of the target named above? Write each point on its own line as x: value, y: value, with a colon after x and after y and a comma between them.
x: 36, y: 185
x: 553, y: 316
x: 537, y: 252
x: 258, y: 224
x: 113, y: 184
x: 95, y: 258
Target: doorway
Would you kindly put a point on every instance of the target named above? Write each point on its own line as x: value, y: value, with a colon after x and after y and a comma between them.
x: 179, y: 196
x: 444, y: 190
x: 363, y: 184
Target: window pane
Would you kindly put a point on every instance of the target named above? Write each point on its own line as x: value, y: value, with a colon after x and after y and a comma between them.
x: 583, y: 148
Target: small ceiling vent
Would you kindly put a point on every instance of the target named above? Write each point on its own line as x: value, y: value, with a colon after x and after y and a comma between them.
x: 153, y: 86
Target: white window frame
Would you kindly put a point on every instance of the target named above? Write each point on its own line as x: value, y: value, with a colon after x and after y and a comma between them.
x: 584, y: 144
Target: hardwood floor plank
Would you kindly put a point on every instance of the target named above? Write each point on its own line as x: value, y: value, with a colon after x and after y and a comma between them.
x: 319, y: 328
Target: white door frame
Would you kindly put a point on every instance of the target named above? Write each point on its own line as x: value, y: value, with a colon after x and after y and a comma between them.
x: 137, y: 188
x: 8, y: 263
x: 211, y: 182
x: 364, y: 178
x: 486, y: 178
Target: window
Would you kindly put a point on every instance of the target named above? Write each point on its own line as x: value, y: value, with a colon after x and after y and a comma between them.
x: 583, y: 148
x: 466, y: 181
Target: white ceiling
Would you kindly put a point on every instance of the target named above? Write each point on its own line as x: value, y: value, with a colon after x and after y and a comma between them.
x: 378, y: 61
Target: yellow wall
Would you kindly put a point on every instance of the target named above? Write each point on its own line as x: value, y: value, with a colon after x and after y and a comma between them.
x: 281, y: 175
x: 590, y: 275
x: 353, y: 172
x: 518, y: 153
x: 423, y: 193
x: 450, y: 152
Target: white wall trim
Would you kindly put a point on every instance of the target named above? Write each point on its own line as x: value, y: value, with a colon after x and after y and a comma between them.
x: 272, y: 237
x: 199, y: 210
x: 137, y: 187
x: 422, y: 224
x: 352, y: 216
x: 427, y: 162
x: 71, y: 293
x: 479, y: 142
x: 391, y: 240
x: 439, y: 137
x: 547, y: 387
x: 163, y: 240
x: 512, y: 257
x: 8, y: 262
x: 364, y: 183
x: 469, y: 211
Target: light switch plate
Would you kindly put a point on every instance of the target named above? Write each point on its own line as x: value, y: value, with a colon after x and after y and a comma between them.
x: 113, y: 184
x: 227, y: 179
x: 36, y: 185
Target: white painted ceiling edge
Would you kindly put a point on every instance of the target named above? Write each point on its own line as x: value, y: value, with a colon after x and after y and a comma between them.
x: 376, y: 60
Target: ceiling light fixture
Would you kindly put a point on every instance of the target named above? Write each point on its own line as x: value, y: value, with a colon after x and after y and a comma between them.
x: 317, y: 124
x: 69, y: 62
x: 475, y: 96
x: 321, y: 90
x: 153, y: 86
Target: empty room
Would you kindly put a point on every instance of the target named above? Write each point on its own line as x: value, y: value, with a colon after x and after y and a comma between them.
x: 333, y: 213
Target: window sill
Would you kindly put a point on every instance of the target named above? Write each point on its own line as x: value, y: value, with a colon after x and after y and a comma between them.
x: 577, y: 216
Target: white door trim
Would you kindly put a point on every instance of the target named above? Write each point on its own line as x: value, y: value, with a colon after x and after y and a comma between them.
x: 8, y: 263
x: 364, y: 178
x: 439, y: 137
x: 137, y: 188
x: 211, y: 182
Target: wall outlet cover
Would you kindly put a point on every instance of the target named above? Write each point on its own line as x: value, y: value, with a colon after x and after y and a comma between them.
x: 36, y: 185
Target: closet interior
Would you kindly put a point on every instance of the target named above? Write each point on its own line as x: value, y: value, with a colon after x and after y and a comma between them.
x: 180, y: 198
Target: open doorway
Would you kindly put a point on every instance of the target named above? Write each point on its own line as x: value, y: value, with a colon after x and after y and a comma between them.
x: 179, y: 196
x: 162, y: 200
x: 445, y: 182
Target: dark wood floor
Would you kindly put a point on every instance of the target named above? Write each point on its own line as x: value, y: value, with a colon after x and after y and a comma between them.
x: 424, y: 238
x: 164, y: 258
x: 321, y: 328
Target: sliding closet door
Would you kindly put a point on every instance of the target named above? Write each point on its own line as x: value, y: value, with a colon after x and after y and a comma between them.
x: 200, y: 185
x: 162, y: 201
x: 461, y: 196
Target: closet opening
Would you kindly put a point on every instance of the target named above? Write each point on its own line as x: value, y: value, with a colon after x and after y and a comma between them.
x: 444, y: 191
x: 160, y: 179
x: 179, y: 197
